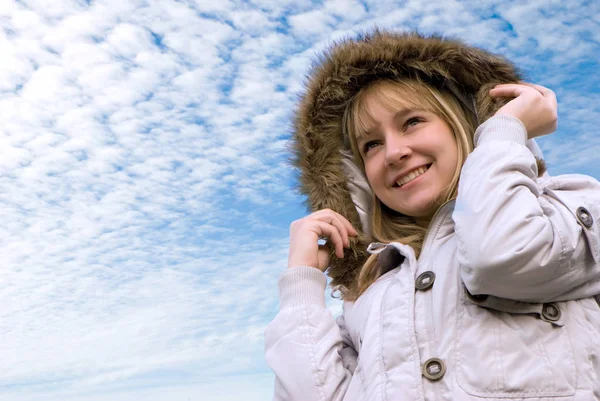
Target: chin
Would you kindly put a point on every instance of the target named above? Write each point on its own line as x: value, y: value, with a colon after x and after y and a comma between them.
x: 420, y: 212
x: 415, y: 209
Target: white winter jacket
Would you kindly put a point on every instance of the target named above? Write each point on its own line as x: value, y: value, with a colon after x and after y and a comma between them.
x: 499, y: 306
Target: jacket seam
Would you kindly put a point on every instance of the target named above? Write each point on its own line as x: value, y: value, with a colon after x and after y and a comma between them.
x: 544, y: 353
x: 411, y: 335
x: 569, y: 338
x: 562, y: 260
x: 593, y: 245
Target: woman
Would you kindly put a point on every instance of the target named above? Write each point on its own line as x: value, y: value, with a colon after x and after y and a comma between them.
x: 483, y: 268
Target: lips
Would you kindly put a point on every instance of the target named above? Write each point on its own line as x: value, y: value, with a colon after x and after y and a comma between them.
x: 406, y: 178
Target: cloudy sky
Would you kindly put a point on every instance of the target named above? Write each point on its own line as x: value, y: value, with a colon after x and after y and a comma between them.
x: 145, y: 190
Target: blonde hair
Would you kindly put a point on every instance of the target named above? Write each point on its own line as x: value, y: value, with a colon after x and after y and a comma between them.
x: 388, y: 225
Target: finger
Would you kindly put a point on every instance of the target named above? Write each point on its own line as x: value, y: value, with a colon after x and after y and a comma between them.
x: 350, y: 228
x: 509, y: 90
x: 539, y: 88
x: 514, y: 92
x: 339, y: 224
x: 335, y: 219
x: 331, y: 232
x: 546, y: 92
x: 348, y: 225
x: 346, y: 228
x: 520, y: 85
x: 517, y: 84
x: 334, y: 236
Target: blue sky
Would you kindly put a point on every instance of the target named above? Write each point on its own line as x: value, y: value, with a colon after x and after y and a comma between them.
x: 145, y: 190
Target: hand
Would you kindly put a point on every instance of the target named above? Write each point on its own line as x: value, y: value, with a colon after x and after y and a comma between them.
x: 304, y: 234
x: 534, y: 105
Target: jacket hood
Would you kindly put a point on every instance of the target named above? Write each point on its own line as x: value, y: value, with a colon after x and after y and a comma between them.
x: 328, y: 175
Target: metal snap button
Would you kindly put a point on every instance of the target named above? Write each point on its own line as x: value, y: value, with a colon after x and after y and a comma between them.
x: 477, y: 297
x: 550, y: 312
x: 433, y: 369
x: 585, y: 217
x: 425, y: 281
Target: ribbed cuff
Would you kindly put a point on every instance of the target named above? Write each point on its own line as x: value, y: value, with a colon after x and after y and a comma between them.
x: 501, y: 128
x: 300, y: 286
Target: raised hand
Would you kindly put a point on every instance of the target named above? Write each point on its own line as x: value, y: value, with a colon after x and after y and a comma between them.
x: 534, y: 105
x: 305, y: 233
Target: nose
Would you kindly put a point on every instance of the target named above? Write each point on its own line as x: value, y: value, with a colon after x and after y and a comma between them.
x: 396, y: 150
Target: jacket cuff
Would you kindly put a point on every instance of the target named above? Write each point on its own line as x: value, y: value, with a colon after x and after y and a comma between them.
x: 301, y: 285
x: 501, y: 128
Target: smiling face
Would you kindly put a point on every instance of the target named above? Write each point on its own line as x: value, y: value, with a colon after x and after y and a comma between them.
x: 410, y: 154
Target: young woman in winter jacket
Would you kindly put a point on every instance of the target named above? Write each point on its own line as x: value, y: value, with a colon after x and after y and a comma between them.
x: 483, y: 269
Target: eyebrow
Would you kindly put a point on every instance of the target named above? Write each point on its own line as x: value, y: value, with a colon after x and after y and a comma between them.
x: 402, y: 113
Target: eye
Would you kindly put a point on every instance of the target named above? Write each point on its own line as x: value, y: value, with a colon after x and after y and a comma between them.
x: 370, y: 145
x: 412, y: 121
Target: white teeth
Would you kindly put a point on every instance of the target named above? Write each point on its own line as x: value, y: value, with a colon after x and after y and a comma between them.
x: 411, y: 176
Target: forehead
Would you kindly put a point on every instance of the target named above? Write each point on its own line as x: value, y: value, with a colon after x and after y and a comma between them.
x: 389, y: 97
x: 404, y: 94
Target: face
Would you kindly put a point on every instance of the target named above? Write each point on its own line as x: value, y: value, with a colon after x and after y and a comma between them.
x: 410, y: 158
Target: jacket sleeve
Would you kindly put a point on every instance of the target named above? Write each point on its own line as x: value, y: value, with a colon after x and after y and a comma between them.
x: 520, y: 239
x: 310, y: 353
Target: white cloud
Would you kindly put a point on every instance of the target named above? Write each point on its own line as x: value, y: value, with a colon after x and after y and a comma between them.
x: 127, y: 40
x: 314, y: 23
x: 347, y: 10
x: 252, y: 21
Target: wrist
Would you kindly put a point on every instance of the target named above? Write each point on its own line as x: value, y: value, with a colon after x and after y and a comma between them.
x: 302, y: 285
x: 294, y: 262
x: 501, y: 127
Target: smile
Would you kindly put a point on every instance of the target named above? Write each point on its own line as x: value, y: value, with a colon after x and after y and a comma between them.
x: 412, y: 175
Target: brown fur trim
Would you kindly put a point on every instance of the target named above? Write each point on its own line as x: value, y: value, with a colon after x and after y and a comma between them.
x: 348, y: 66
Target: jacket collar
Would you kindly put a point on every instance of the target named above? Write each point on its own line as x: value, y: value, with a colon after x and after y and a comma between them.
x: 394, y: 254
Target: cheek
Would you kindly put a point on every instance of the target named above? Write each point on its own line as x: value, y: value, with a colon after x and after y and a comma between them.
x: 452, y: 165
x: 376, y: 181
x: 373, y: 176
